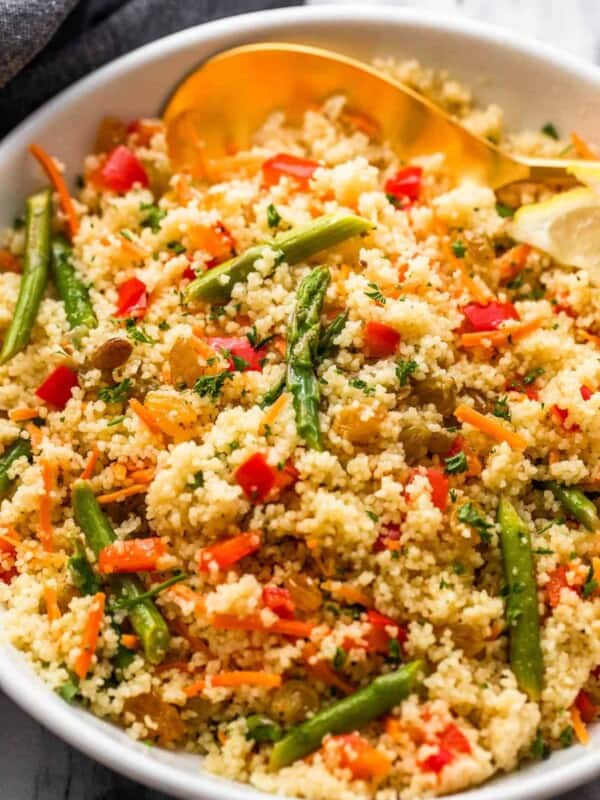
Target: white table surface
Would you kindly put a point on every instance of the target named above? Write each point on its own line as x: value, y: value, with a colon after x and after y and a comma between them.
x: 34, y: 764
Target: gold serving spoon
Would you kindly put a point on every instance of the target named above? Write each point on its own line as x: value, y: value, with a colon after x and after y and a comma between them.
x: 216, y: 110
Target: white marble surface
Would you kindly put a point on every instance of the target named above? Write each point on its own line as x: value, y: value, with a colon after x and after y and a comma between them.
x: 34, y: 764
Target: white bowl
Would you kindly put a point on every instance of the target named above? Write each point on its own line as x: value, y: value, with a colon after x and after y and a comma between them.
x: 533, y: 83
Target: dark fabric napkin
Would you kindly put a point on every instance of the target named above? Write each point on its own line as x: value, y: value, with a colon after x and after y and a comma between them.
x: 47, y: 44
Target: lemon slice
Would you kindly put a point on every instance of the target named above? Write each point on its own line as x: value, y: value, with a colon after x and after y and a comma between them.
x: 567, y: 226
x: 589, y: 175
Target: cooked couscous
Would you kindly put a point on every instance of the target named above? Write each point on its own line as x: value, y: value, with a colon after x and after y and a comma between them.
x: 300, y: 464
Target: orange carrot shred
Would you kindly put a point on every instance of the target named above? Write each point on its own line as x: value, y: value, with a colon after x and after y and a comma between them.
x: 500, y: 337
x: 582, y: 148
x: 283, y: 627
x: 90, y: 463
x: 513, y: 261
x: 146, y: 417
x: 51, y: 601
x: 132, y: 248
x: 187, y: 595
x: 57, y: 180
x: 90, y: 635
x: 272, y: 413
x: 233, y: 680
x: 579, y: 726
x: 130, y: 641
x: 45, y: 507
x: 35, y: 434
x: 22, y: 414
x: 489, y: 426
x: 122, y: 494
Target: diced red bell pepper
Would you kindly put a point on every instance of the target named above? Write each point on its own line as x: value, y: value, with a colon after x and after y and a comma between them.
x: 131, y: 555
x: 256, y: 477
x: 133, y: 299
x: 380, y: 340
x: 440, y: 485
x: 488, y: 316
x: 229, y: 551
x: 121, y: 171
x: 556, y: 583
x: 453, y: 739
x: 586, y: 392
x: 390, y: 533
x: 240, y: 348
x: 58, y: 387
x: 405, y: 185
x: 379, y: 638
x: 437, y: 761
x: 279, y: 600
x: 596, y: 672
x: 8, y: 554
x: 301, y: 169
x: 586, y: 707
x: 560, y: 417
x: 364, y: 761
x: 286, y: 477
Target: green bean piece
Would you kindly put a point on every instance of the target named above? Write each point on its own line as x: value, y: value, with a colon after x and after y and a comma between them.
x: 146, y: 619
x: 296, y: 245
x: 576, y: 504
x: 349, y: 714
x: 19, y: 449
x: 330, y: 334
x: 522, y: 616
x: 303, y: 342
x: 71, y: 289
x: 38, y: 220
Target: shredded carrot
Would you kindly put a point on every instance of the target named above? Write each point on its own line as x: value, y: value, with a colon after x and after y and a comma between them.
x: 590, y: 337
x: 394, y: 728
x: 579, y: 726
x: 596, y: 568
x: 283, y: 627
x: 122, y: 494
x: 349, y: 594
x: 146, y: 417
x: 502, y: 336
x: 479, y: 294
x: 51, y: 601
x: 582, y: 148
x: 553, y: 456
x: 272, y: 413
x: 35, y: 434
x: 132, y: 248
x: 90, y: 635
x: 9, y: 535
x: 489, y: 426
x: 323, y: 671
x: 22, y: 414
x: 9, y: 262
x: 60, y: 187
x: 45, y: 507
x: 90, y: 463
x: 142, y: 475
x: 187, y: 595
x: 512, y: 262
x: 130, y: 641
x: 234, y: 680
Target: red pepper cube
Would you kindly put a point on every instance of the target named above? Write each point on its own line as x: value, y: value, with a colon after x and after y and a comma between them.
x: 453, y: 739
x: 228, y: 552
x: 405, y: 185
x: 242, y: 356
x: 439, y: 483
x: 586, y: 707
x: 437, y: 761
x: 133, y: 299
x: 489, y: 316
x: 256, y: 477
x: 301, y: 169
x: 8, y: 554
x: 58, y: 387
x: 585, y: 392
x: 279, y: 600
x: 121, y: 171
x: 380, y: 340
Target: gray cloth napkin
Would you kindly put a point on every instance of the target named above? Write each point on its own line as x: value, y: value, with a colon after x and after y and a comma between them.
x: 47, y: 44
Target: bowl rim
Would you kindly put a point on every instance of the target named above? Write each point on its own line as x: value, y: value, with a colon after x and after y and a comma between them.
x: 34, y: 697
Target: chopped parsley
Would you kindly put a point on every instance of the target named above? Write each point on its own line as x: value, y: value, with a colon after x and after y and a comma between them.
x: 566, y: 736
x: 459, y: 568
x: 131, y: 601
x: 404, y: 369
x: 262, y: 729
x: 358, y: 383
x: 339, y: 659
x: 372, y: 515
x: 591, y: 584
x: 471, y: 516
x: 115, y: 421
x: 69, y: 689
x: 212, y: 385
x: 375, y: 294
x: 197, y: 480
x: 543, y: 551
x: 137, y: 334
x: 116, y: 394
x: 164, y: 325
x: 394, y: 651
x: 549, y: 129
x: 176, y: 247
x: 153, y: 216
x: 455, y: 464
x: 501, y: 408
x: 532, y: 375
x: 255, y: 341
x: 459, y: 249
x: 504, y: 211
x: 126, y: 234
x: 395, y: 201
x: 273, y: 216
x: 539, y: 748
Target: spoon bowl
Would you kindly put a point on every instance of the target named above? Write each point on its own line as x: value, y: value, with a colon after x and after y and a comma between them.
x: 215, y: 111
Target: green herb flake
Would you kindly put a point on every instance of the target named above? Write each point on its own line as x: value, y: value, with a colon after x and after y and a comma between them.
x: 549, y: 129
x: 197, y: 480
x: 504, y: 211
x: 456, y: 464
x: 532, y: 375
x: 469, y: 515
x: 404, y: 369
x: 212, y: 385
x: 175, y: 247
x: 339, y: 659
x: 501, y: 408
x: 69, y: 689
x: 459, y: 568
x: 273, y: 216
x: 459, y: 249
x: 591, y: 584
x: 126, y: 234
x: 136, y: 334
x: 539, y: 749
x: 358, y: 383
x: 566, y: 736
x: 116, y: 394
x: 153, y: 216
x: 372, y: 515
x: 394, y: 651
x: 262, y: 729
x: 255, y: 341
x: 115, y: 421
x: 375, y: 293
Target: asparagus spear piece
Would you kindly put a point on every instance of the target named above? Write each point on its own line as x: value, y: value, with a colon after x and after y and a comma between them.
x: 17, y: 449
x: 353, y: 712
x: 302, y: 345
x: 71, y: 289
x: 296, y: 245
x: 522, y: 614
x: 146, y: 619
x: 575, y: 503
x: 38, y: 218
